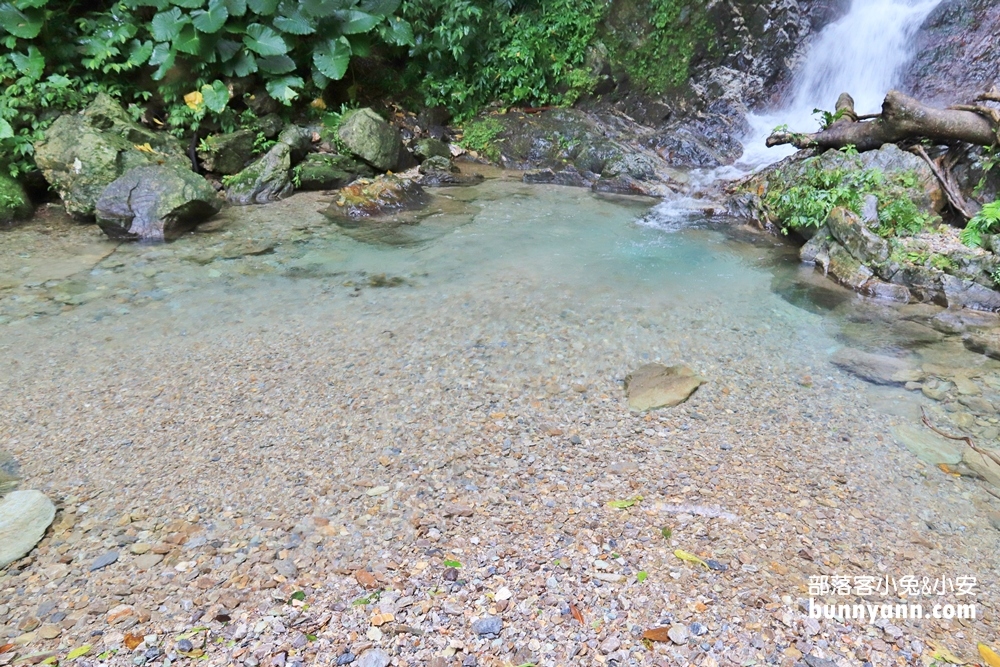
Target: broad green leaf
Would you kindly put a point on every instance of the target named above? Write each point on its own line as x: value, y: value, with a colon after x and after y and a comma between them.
x: 188, y: 4
x: 332, y: 58
x: 262, y: 7
x: 361, y: 45
x: 641, y: 576
x: 25, y: 25
x: 227, y: 48
x: 216, y: 96
x: 160, y: 5
x: 379, y: 7
x: 296, y: 24
x: 188, y: 41
x: 236, y: 7
x: 30, y: 4
x: 78, y: 652
x: 284, y: 89
x: 298, y: 595
x: 353, y: 21
x: 276, y: 64
x: 398, y: 31
x: 6, y: 131
x: 163, y: 59
x: 244, y: 64
x: 165, y: 26
x: 264, y: 41
x: 452, y: 563
x: 139, y: 52
x: 31, y: 64
x: 213, y: 19
x: 324, y: 8
x: 321, y: 80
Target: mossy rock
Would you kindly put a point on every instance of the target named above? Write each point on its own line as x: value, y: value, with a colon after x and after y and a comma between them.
x: 227, y: 153
x: 369, y: 137
x: 325, y: 171
x: 428, y: 148
x: 14, y: 202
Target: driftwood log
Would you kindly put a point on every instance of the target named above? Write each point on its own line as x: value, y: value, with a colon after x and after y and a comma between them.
x: 902, y: 118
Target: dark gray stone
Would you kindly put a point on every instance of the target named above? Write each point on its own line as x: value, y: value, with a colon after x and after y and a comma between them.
x: 488, y: 625
x: 104, y: 560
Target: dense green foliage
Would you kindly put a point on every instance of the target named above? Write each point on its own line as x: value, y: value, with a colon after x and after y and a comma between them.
x: 661, y: 59
x: 987, y: 221
x: 54, y: 55
x: 471, y: 53
x: 481, y: 136
x: 807, y: 202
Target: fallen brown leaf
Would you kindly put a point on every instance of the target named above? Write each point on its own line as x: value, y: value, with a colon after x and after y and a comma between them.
x: 576, y: 613
x: 365, y: 579
x: 6, y: 647
x: 131, y: 641
x: 657, y: 634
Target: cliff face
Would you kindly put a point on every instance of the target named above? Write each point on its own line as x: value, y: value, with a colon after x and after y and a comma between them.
x: 958, y: 52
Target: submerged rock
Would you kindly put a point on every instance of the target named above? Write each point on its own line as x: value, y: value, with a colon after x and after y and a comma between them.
x: 437, y: 171
x: 368, y: 198
x: 14, y: 202
x: 875, y: 368
x: 24, y: 517
x: 928, y: 446
x: 155, y: 204
x: 368, y: 136
x: 657, y: 386
x: 82, y: 153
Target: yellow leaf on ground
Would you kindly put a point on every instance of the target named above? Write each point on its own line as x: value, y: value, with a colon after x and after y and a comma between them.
x: 690, y: 557
x: 78, y: 652
x: 145, y: 148
x: 989, y: 655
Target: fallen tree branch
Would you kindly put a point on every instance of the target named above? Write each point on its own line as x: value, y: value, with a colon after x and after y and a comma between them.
x: 964, y: 438
x: 902, y: 118
x: 948, y: 185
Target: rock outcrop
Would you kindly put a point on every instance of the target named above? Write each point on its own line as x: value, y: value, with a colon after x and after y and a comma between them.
x: 82, y: 153
x: 24, y: 518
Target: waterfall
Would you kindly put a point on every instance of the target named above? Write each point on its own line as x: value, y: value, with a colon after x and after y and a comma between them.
x: 863, y: 54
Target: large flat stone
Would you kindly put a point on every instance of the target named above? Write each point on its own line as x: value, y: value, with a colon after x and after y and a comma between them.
x: 24, y: 517
x: 928, y: 446
x: 657, y: 386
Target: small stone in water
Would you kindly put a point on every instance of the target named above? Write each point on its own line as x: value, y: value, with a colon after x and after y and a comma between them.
x: 490, y: 625
x: 104, y: 560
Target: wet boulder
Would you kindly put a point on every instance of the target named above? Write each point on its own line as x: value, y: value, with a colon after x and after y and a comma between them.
x: 155, y: 203
x: 14, y: 202
x: 268, y: 179
x: 82, y: 153
x: 325, y: 171
x: 227, y: 153
x: 24, y: 518
x: 864, y: 244
x: 437, y: 171
x: 370, y: 138
x: 428, y: 148
x: 367, y: 198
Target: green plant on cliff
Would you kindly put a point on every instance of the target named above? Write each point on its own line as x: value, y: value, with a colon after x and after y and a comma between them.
x: 987, y: 221
x: 469, y: 54
x: 481, y: 136
x: 662, y: 58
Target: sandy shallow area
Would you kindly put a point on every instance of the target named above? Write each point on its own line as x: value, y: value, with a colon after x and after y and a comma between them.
x: 319, y: 469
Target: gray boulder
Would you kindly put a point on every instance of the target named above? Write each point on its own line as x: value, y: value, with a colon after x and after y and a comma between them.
x: 266, y: 180
x: 865, y: 245
x: 155, y: 203
x: 14, y: 202
x: 428, y: 148
x: 227, y: 153
x: 24, y: 517
x: 373, y: 140
x: 82, y: 153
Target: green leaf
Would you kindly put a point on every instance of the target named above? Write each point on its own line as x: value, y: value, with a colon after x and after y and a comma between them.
x: 332, y: 58
x: 324, y: 8
x: 188, y: 41
x: 262, y: 7
x: 298, y: 595
x: 18, y: 23
x: 227, y: 48
x: 78, y: 652
x: 296, y: 24
x: 399, y: 32
x: 6, y: 131
x: 30, y: 4
x: 216, y: 96
x: 311, y: 638
x: 163, y: 59
x: 264, y: 41
x: 188, y: 4
x: 284, y: 89
x: 452, y: 563
x: 641, y: 576
x: 236, y: 7
x: 244, y: 64
x: 211, y: 21
x: 624, y: 504
x: 165, y: 26
x: 361, y: 45
x: 32, y: 64
x: 380, y: 7
x: 354, y: 21
x: 666, y: 532
x: 139, y: 52
x: 276, y: 64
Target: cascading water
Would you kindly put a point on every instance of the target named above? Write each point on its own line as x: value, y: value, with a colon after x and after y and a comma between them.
x: 863, y: 54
